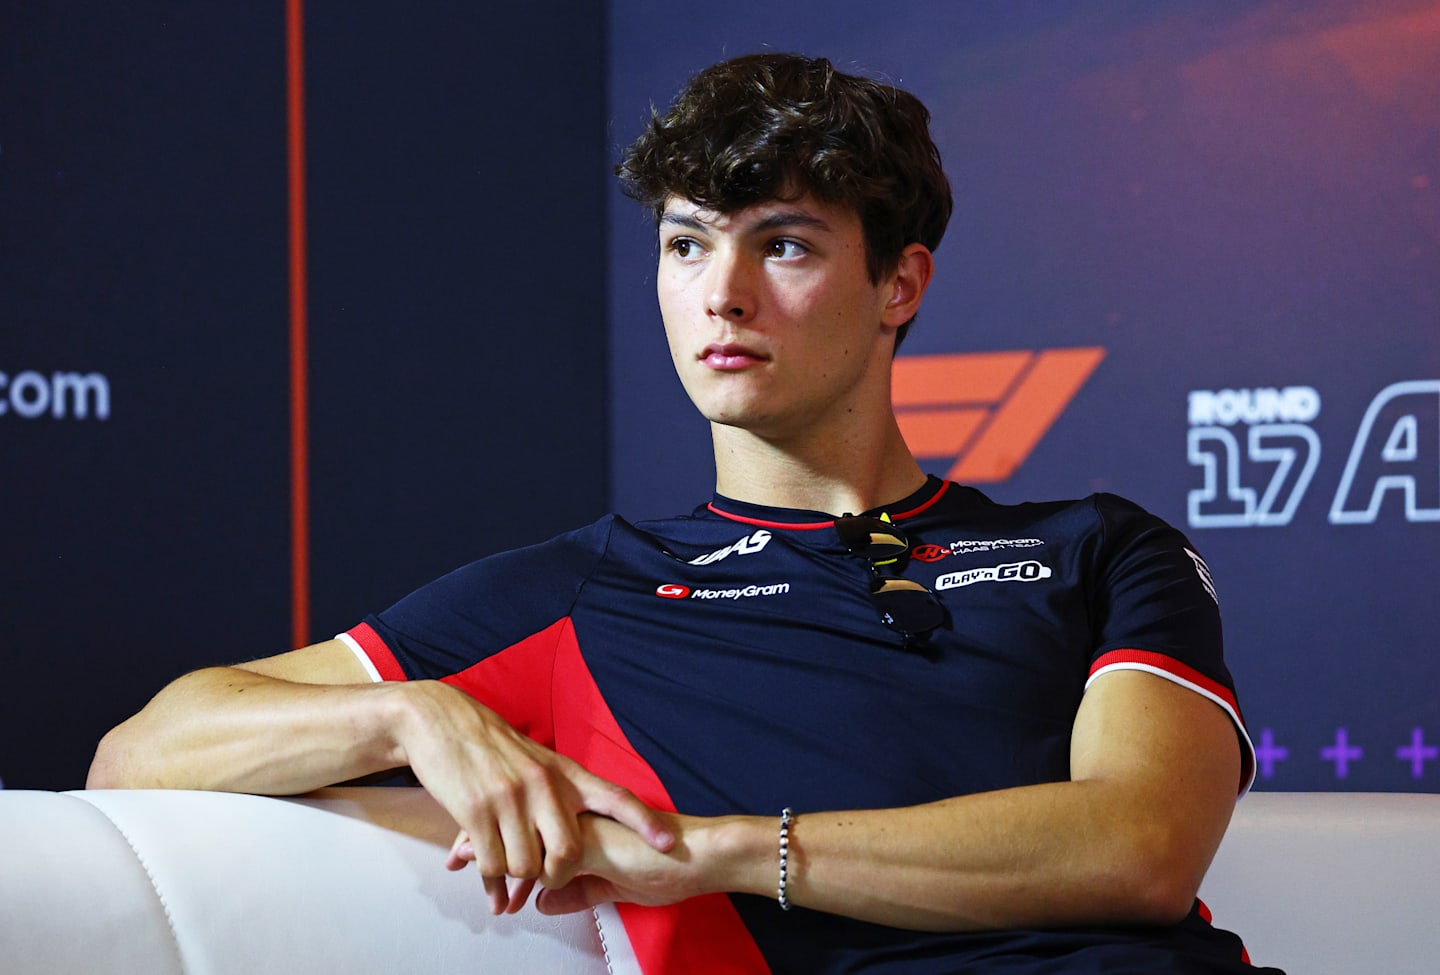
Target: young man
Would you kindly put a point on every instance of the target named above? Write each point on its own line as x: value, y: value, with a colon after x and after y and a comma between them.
x: 1020, y: 757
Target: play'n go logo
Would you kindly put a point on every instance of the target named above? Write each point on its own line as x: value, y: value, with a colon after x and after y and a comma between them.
x: 985, y: 410
x: 1027, y: 571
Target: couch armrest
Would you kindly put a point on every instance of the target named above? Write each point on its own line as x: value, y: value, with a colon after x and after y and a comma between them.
x: 352, y: 881
x: 345, y: 881
x: 1332, y: 883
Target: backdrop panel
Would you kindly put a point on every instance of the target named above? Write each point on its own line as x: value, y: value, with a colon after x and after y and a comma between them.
x: 456, y: 329
x: 1194, y: 261
x: 457, y: 302
x: 142, y: 361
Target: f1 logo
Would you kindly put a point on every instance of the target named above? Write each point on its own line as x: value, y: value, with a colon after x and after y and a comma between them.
x: 987, y: 410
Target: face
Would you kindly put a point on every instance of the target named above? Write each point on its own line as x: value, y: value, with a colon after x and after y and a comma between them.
x: 773, y: 322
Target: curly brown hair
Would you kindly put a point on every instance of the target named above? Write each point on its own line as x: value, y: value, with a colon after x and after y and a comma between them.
x: 777, y: 126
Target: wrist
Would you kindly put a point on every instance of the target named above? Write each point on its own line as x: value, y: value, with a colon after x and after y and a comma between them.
x: 405, y: 712
x: 739, y: 854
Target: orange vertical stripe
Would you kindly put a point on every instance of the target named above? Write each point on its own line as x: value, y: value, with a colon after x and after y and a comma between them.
x: 299, y: 294
x: 1032, y: 406
x: 940, y: 432
x: 950, y: 380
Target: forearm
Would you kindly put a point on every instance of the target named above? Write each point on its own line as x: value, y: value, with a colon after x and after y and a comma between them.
x: 232, y: 730
x: 1067, y: 853
x: 1062, y: 854
x: 1128, y: 840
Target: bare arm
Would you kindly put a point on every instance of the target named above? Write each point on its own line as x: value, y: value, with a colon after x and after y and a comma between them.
x: 311, y: 717
x: 281, y: 725
x: 1128, y: 839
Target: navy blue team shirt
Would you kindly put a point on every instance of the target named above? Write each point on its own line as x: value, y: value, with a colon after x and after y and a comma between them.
x: 732, y: 661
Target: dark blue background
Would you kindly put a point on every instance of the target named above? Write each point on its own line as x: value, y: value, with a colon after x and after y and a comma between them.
x: 1221, y: 195
x: 457, y: 171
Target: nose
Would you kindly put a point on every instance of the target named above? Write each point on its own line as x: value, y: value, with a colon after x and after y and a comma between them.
x: 729, y: 287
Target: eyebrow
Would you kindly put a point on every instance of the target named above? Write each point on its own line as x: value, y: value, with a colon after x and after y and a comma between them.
x: 791, y: 218
x: 774, y: 221
x: 680, y: 220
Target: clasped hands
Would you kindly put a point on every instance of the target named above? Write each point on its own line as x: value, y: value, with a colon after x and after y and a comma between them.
x: 615, y: 863
x: 529, y: 815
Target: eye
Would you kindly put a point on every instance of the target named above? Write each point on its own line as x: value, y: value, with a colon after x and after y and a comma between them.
x: 784, y: 248
x: 685, y: 248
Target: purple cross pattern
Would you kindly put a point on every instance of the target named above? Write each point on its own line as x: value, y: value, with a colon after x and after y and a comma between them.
x: 1267, y: 753
x: 1417, y: 753
x: 1342, y: 753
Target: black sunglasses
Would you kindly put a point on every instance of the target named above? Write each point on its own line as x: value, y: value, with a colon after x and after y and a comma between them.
x: 904, y: 604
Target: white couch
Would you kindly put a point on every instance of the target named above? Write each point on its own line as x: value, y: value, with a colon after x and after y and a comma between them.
x: 351, y: 881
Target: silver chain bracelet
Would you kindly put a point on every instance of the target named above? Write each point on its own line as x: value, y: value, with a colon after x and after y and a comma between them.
x: 786, y: 818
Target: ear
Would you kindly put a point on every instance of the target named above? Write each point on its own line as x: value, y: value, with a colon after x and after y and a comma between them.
x: 907, y: 283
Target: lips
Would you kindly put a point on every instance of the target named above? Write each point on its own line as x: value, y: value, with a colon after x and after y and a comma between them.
x: 730, y: 356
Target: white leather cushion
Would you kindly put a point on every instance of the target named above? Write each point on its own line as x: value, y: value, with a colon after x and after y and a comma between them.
x: 329, y: 885
x: 1332, y: 883
x: 73, y: 896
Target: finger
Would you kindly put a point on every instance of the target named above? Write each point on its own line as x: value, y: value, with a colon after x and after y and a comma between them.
x: 518, y: 890
x: 523, y: 856
x: 581, y: 894
x: 486, y: 851
x: 621, y: 805
x: 462, y: 853
x: 498, y: 893
x: 564, y: 846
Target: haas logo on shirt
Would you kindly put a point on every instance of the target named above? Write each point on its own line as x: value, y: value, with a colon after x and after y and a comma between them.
x: 748, y: 545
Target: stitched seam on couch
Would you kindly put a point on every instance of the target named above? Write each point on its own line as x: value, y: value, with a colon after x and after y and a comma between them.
x: 604, y: 948
x: 164, y: 907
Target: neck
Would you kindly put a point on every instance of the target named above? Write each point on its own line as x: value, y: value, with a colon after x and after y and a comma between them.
x: 857, y: 471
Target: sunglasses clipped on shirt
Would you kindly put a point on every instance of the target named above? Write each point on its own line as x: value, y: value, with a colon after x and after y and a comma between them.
x: 904, y: 604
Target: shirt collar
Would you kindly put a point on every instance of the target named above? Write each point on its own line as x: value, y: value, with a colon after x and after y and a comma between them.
x: 799, y: 519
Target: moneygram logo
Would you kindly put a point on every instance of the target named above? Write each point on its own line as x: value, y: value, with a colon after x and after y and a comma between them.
x: 676, y: 591
x: 31, y: 395
x: 1258, y: 454
x: 986, y: 410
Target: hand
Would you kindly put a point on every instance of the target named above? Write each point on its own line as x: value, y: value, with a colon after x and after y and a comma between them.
x: 517, y: 802
x: 617, y: 866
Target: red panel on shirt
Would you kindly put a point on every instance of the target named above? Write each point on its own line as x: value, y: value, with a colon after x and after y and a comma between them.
x: 543, y: 687
x: 385, y: 663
